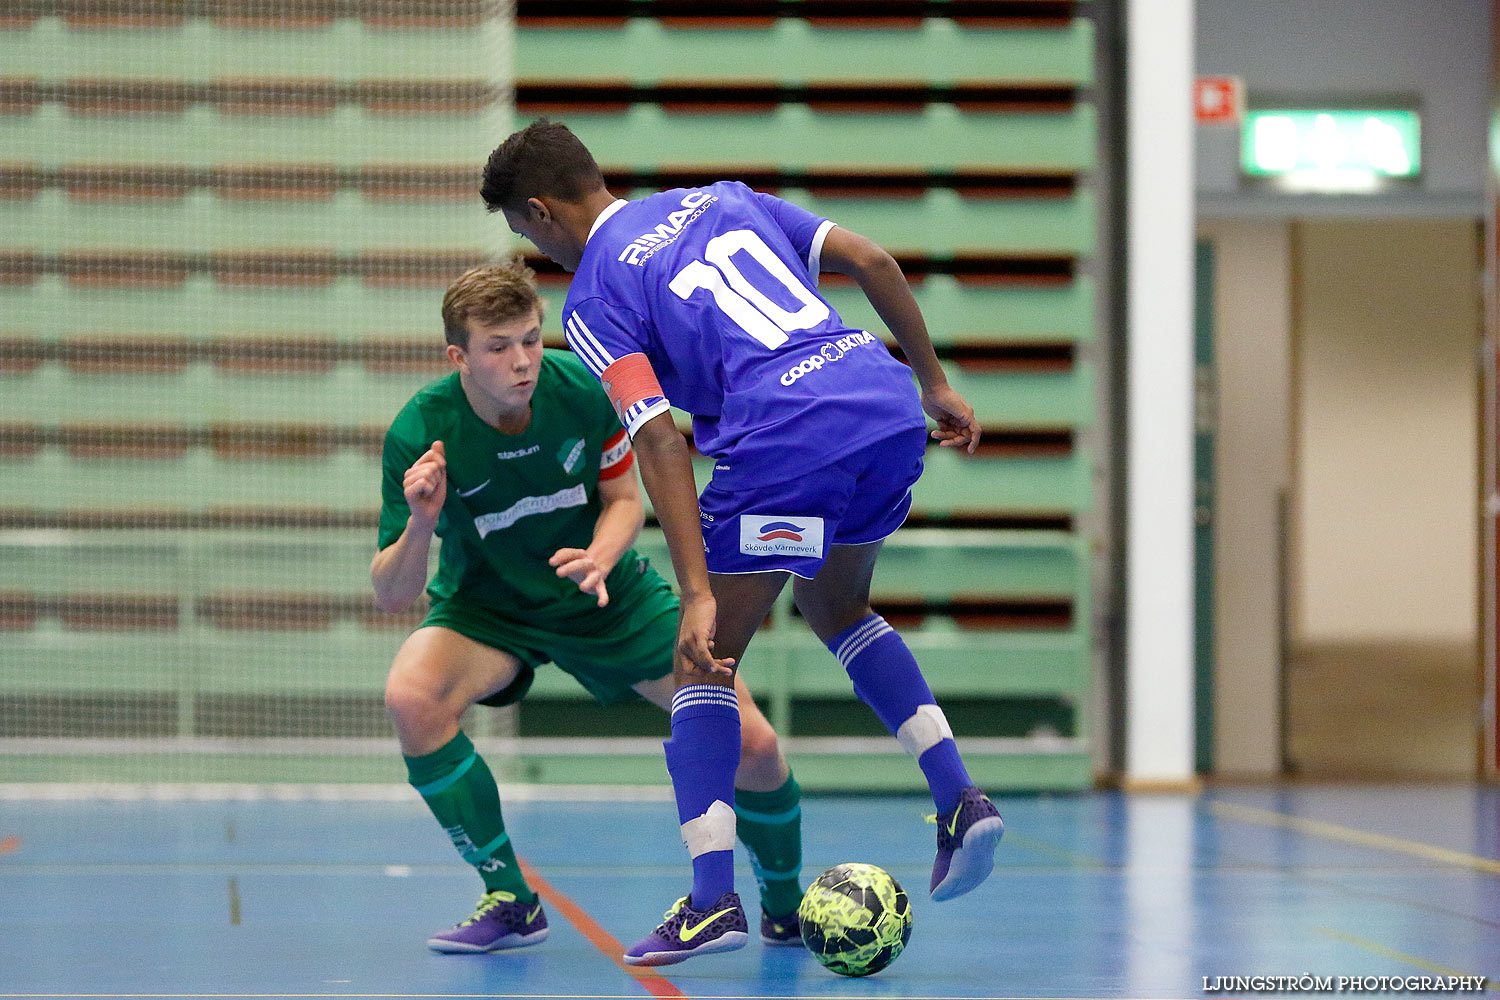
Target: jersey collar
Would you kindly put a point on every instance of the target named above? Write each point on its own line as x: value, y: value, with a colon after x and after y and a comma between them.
x: 604, y: 216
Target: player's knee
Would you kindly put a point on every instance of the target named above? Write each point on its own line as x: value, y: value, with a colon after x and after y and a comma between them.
x: 758, y: 743
x: 827, y: 618
x: 409, y: 704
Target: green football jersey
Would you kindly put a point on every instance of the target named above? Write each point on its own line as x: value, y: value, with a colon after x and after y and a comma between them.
x: 515, y: 499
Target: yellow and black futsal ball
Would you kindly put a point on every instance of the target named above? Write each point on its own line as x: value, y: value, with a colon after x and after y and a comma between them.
x: 855, y: 918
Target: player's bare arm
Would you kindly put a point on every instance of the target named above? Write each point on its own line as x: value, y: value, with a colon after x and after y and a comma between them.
x: 667, y: 471
x: 619, y: 523
x: 399, y: 571
x: 880, y: 278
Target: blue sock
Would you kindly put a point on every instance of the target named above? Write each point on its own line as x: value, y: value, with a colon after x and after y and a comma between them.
x: 886, y: 677
x: 702, y: 756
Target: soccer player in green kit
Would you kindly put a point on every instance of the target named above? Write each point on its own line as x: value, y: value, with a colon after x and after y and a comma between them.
x: 518, y: 462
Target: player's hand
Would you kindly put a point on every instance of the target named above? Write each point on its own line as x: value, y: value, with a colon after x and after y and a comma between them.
x: 426, y: 484
x: 956, y: 424
x: 579, y: 566
x: 695, y: 639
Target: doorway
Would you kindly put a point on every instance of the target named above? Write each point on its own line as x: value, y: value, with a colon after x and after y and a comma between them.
x: 1382, y: 673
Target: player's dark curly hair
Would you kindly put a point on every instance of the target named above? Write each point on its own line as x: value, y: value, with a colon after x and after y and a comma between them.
x: 544, y: 159
x: 494, y: 293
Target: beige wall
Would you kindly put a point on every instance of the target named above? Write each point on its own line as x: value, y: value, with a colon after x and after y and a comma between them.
x: 1252, y: 320
x: 1384, y: 401
x: 1387, y: 319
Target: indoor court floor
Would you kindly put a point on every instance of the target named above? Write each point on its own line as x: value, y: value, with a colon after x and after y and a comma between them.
x: 277, y: 893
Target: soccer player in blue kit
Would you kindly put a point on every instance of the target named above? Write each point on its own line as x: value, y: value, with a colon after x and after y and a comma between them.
x: 707, y: 297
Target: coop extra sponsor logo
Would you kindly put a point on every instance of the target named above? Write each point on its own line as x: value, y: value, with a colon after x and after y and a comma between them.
x: 827, y: 354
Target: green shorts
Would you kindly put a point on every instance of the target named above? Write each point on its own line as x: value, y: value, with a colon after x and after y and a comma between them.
x: 637, y: 646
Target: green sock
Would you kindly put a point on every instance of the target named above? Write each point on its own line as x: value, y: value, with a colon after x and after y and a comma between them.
x: 770, y: 826
x: 460, y: 790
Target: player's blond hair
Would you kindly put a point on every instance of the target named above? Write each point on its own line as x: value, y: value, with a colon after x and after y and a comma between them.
x: 493, y: 293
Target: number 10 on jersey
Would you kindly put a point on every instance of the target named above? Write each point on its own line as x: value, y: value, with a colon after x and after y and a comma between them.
x: 750, y: 308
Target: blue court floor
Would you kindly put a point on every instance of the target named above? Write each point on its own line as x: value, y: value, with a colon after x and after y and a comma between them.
x: 1101, y: 895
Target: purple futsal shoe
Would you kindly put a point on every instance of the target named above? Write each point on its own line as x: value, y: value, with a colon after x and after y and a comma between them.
x: 780, y: 932
x: 966, y: 845
x: 497, y: 924
x: 687, y: 932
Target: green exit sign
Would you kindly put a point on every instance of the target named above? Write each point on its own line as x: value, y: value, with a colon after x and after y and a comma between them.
x: 1343, y: 150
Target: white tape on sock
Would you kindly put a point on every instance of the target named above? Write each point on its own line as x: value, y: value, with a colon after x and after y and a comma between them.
x: 926, y: 728
x: 713, y: 831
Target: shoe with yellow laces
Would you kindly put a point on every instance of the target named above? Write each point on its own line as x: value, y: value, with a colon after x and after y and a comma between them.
x: 966, y: 842
x: 687, y: 932
x: 500, y: 922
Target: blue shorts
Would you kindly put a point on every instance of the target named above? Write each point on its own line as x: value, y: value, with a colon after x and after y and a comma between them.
x: 789, y: 526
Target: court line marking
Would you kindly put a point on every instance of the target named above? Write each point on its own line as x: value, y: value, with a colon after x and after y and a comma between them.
x: 1075, y: 860
x: 1343, y: 886
x: 1332, y: 831
x: 1379, y: 949
x: 310, y: 792
x: 651, y: 981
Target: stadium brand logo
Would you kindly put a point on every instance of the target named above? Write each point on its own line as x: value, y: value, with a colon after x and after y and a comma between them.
x: 506, y: 456
x: 781, y: 535
x: 646, y: 244
x: 828, y: 353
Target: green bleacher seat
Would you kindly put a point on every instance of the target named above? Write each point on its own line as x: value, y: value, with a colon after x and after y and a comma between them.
x: 956, y: 311
x: 346, y: 477
x: 796, y: 137
x: 287, y: 267
x: 196, y: 222
x: 939, y: 224
x: 302, y: 182
x: 346, y: 49
x: 345, y: 480
x: 942, y: 223
x: 202, y: 137
x: 348, y: 309
x: 1027, y: 399
x: 348, y: 394
x: 952, y: 483
x: 645, y: 50
x: 923, y: 562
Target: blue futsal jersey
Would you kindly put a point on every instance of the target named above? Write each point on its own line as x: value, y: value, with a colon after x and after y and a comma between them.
x: 715, y: 288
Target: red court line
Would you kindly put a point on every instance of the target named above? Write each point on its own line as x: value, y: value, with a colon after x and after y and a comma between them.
x: 653, y: 982
x: 10, y: 845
